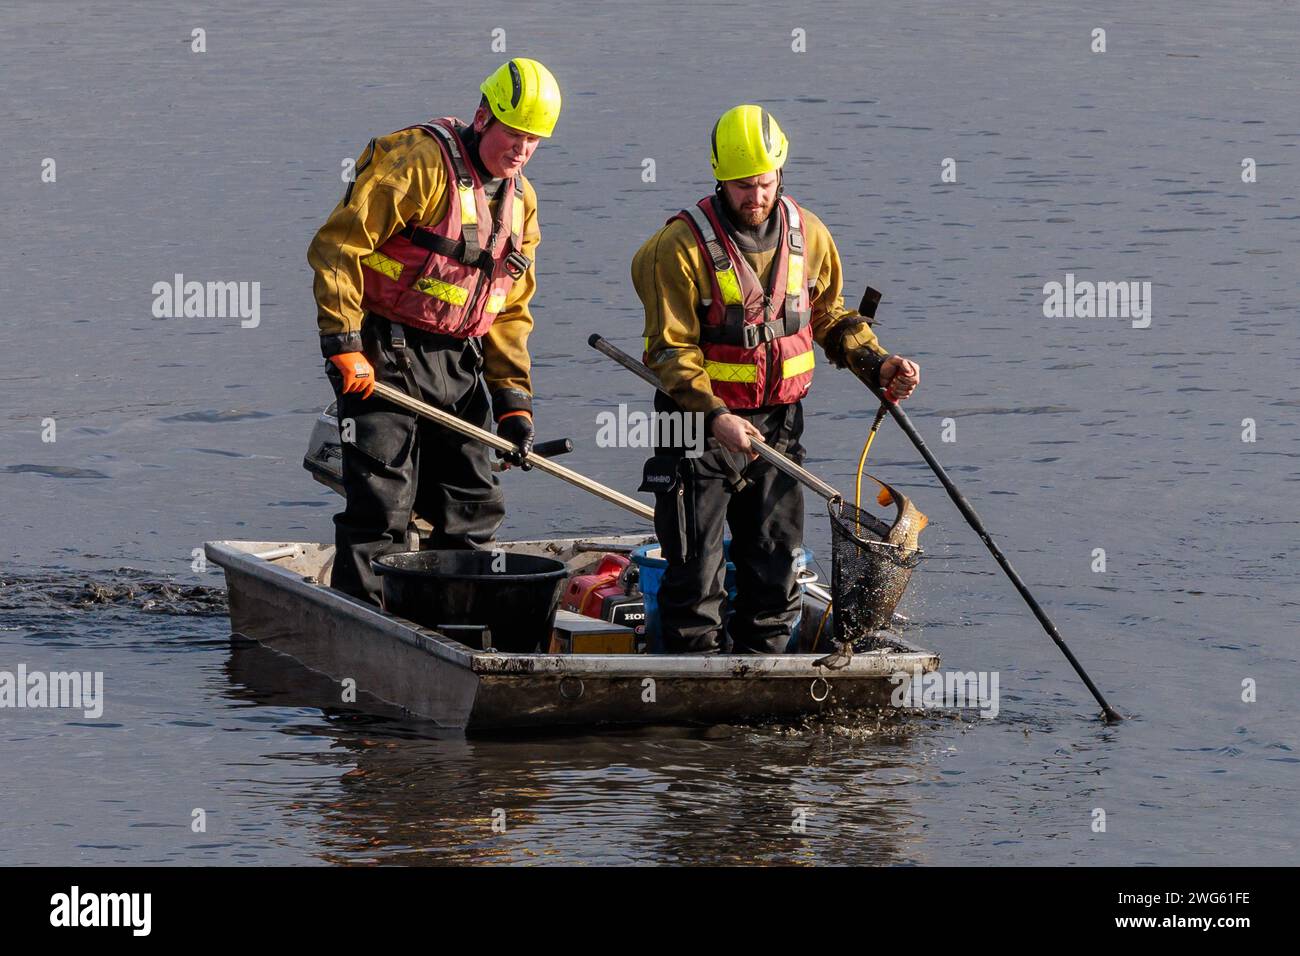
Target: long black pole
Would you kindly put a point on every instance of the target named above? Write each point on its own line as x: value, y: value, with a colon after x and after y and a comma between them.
x: 973, y: 520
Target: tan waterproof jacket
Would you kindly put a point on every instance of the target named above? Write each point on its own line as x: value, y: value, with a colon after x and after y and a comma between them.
x: 400, y: 179
x: 672, y: 276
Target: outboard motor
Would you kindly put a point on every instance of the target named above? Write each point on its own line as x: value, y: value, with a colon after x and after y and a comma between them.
x: 324, y: 458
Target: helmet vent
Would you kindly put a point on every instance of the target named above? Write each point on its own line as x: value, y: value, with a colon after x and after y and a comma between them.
x: 517, y: 84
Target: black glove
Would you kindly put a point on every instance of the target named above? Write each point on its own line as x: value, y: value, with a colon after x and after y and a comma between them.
x: 518, y: 430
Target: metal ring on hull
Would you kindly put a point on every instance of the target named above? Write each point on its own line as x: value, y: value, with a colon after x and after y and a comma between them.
x: 568, y: 695
x: 812, y: 689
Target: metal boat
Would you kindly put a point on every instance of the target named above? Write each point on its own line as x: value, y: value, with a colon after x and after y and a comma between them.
x: 278, y: 598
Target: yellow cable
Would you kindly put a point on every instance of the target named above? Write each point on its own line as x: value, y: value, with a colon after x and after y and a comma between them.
x: 857, y: 487
x: 857, y: 504
x: 825, y: 614
x: 862, y: 463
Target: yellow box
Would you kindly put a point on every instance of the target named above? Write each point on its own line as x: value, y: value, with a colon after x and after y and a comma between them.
x: 576, y: 634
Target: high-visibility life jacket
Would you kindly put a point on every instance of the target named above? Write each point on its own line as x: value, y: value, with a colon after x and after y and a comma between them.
x: 757, y: 343
x: 451, y: 277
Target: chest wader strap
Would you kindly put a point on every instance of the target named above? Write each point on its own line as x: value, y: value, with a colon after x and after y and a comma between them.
x: 733, y: 477
x: 735, y: 480
x: 782, y: 444
x: 397, y: 341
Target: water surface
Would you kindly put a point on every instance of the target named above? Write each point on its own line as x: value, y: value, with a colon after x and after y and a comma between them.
x: 1072, y: 434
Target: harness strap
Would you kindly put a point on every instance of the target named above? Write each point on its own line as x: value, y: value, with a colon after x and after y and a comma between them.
x: 464, y: 186
x: 517, y: 213
x: 751, y: 336
x: 433, y: 242
x: 724, y: 274
x: 734, y: 329
x: 795, y: 317
x: 468, y: 250
x: 717, y: 252
x: 516, y: 263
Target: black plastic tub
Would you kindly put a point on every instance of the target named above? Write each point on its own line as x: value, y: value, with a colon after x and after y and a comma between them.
x: 515, y: 596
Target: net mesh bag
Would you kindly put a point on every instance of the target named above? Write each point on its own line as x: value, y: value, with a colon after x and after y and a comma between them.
x: 868, y: 574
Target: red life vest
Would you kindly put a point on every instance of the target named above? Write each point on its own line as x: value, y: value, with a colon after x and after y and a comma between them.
x: 757, y: 343
x: 451, y: 277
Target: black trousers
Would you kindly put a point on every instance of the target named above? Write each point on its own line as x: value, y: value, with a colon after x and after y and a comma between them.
x: 766, y: 522
x: 397, y: 464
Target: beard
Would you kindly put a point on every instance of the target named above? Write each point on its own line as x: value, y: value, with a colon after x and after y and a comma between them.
x: 751, y: 217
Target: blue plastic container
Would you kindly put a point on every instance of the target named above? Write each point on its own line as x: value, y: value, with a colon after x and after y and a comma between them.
x: 651, y: 567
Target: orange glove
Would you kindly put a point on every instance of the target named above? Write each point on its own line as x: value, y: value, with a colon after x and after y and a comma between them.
x: 358, y: 375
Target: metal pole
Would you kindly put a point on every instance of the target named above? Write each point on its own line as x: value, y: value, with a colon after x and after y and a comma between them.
x: 764, y: 450
x: 448, y: 420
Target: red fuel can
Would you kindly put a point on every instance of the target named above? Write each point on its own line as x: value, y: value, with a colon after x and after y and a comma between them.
x: 609, y: 593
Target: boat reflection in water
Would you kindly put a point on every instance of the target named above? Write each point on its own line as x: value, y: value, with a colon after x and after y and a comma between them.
x: 827, y: 791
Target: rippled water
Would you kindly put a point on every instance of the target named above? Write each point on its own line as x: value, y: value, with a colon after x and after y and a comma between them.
x: 1072, y: 434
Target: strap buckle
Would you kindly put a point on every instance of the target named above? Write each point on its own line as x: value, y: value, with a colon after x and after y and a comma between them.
x: 721, y: 261
x: 516, y: 264
x: 755, y: 335
x: 397, y: 338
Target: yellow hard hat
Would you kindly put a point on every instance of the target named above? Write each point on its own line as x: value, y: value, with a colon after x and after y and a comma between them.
x: 747, y: 142
x: 523, y: 94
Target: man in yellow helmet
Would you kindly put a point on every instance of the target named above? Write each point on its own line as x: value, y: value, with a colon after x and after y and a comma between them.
x: 736, y: 289
x: 423, y: 276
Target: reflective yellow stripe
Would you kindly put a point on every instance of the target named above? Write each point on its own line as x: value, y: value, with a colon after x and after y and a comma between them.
x: 730, y: 286
x: 517, y: 227
x: 468, y: 210
x: 443, y: 290
x: 496, y: 301
x: 794, y: 275
x: 797, y: 364
x: 381, y: 263
x: 731, y: 372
